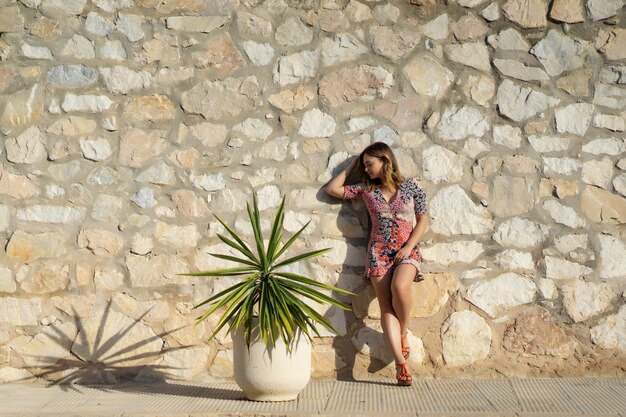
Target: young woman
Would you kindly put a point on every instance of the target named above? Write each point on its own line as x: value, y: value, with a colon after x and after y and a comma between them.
x: 393, y: 255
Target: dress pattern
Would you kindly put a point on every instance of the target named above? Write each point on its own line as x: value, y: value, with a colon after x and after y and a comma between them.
x: 392, y: 224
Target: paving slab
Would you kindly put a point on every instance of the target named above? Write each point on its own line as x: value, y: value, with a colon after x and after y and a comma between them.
x: 529, y: 397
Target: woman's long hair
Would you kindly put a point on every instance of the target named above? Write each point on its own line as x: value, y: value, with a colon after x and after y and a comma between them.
x: 390, y: 174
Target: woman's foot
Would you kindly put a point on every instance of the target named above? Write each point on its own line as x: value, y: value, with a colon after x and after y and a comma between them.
x: 402, y: 375
x: 406, y: 349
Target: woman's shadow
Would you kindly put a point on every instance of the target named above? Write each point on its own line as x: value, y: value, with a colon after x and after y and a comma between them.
x: 354, y: 213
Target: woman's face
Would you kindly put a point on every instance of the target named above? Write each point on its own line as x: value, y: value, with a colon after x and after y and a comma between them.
x: 373, y: 166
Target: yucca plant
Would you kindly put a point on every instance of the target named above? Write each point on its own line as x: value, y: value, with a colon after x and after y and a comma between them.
x: 274, y: 296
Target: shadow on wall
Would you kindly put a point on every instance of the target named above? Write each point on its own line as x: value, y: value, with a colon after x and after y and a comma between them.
x: 104, y: 352
x: 348, y: 361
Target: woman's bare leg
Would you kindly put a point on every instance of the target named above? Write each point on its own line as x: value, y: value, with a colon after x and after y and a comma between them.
x: 388, y: 318
x: 401, y: 294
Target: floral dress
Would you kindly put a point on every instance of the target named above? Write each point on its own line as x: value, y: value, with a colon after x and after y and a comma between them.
x: 392, y: 224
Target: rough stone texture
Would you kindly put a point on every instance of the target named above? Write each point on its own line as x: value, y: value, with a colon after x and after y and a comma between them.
x: 512, y: 196
x: 466, y: 338
x: 453, y: 212
x: 446, y: 254
x: 126, y: 124
x: 217, y: 99
x: 520, y: 103
x: 602, y: 9
x: 584, y: 300
x: 392, y: 44
x: 19, y: 312
x: 612, y: 254
x: 475, y: 55
x: 558, y: 53
x: 428, y: 77
x: 293, y: 69
x: 603, y: 206
x: 341, y: 48
x: 358, y: 83
x: 527, y: 14
x: 520, y: 233
x: 496, y: 296
x: 569, y: 11
x: 611, y: 333
x: 535, y: 332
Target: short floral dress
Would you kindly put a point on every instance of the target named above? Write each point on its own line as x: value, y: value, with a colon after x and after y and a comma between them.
x: 392, y: 224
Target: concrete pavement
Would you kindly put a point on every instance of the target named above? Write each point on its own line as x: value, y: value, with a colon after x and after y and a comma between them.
x: 426, y: 397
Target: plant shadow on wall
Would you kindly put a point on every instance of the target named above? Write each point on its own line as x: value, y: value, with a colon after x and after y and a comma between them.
x: 112, y: 351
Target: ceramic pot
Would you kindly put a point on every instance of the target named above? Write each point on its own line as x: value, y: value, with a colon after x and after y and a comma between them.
x: 271, y: 373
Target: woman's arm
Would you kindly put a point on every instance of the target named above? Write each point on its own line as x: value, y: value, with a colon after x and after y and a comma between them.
x: 335, y: 186
x: 414, y: 238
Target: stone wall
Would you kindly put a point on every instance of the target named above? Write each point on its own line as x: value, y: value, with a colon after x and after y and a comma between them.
x: 126, y: 123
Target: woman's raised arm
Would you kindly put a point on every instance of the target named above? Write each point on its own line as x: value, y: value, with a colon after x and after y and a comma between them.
x: 335, y: 186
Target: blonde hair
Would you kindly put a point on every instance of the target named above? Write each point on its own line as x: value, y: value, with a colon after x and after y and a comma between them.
x: 390, y: 171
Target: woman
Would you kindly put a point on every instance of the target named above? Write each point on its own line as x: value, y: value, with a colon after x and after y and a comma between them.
x: 393, y: 255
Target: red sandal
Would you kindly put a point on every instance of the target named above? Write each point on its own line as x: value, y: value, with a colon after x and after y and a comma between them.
x: 406, y: 349
x: 404, y: 377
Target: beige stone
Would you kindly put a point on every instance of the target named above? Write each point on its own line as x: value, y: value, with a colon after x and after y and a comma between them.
x: 469, y: 27
x: 428, y: 76
x: 536, y: 333
x: 72, y: 126
x: 370, y: 341
x: 528, y: 14
x: 184, y: 364
x: 560, y: 188
x: 158, y: 50
x: 184, y: 330
x: 11, y: 20
x: 501, y: 293
x: 332, y: 20
x: 149, y: 109
x: 611, y: 332
x: 47, y: 347
x: 393, y: 44
x: 603, y: 206
x: 512, y: 196
x: 46, y: 277
x: 480, y: 88
x: 100, y: 242
x: 349, y: 84
x: 155, y: 271
x: 221, y: 54
x: 166, y: 7
x: 45, y: 28
x: 137, y: 146
x: 16, y: 186
x: 612, y: 43
x: 294, y: 100
x: 186, y: 158
x: 209, y: 134
x: 404, y: 113
x: 568, y: 11
x: 29, y: 247
x: 222, y: 366
x: 189, y: 204
x: 251, y: 25
x: 433, y: 293
x: 20, y: 311
x: 217, y: 99
x: 23, y: 108
x: 325, y: 361
x: 584, y: 300
x: 466, y: 338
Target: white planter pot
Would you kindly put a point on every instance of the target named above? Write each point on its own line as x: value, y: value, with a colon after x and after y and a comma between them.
x: 271, y: 373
